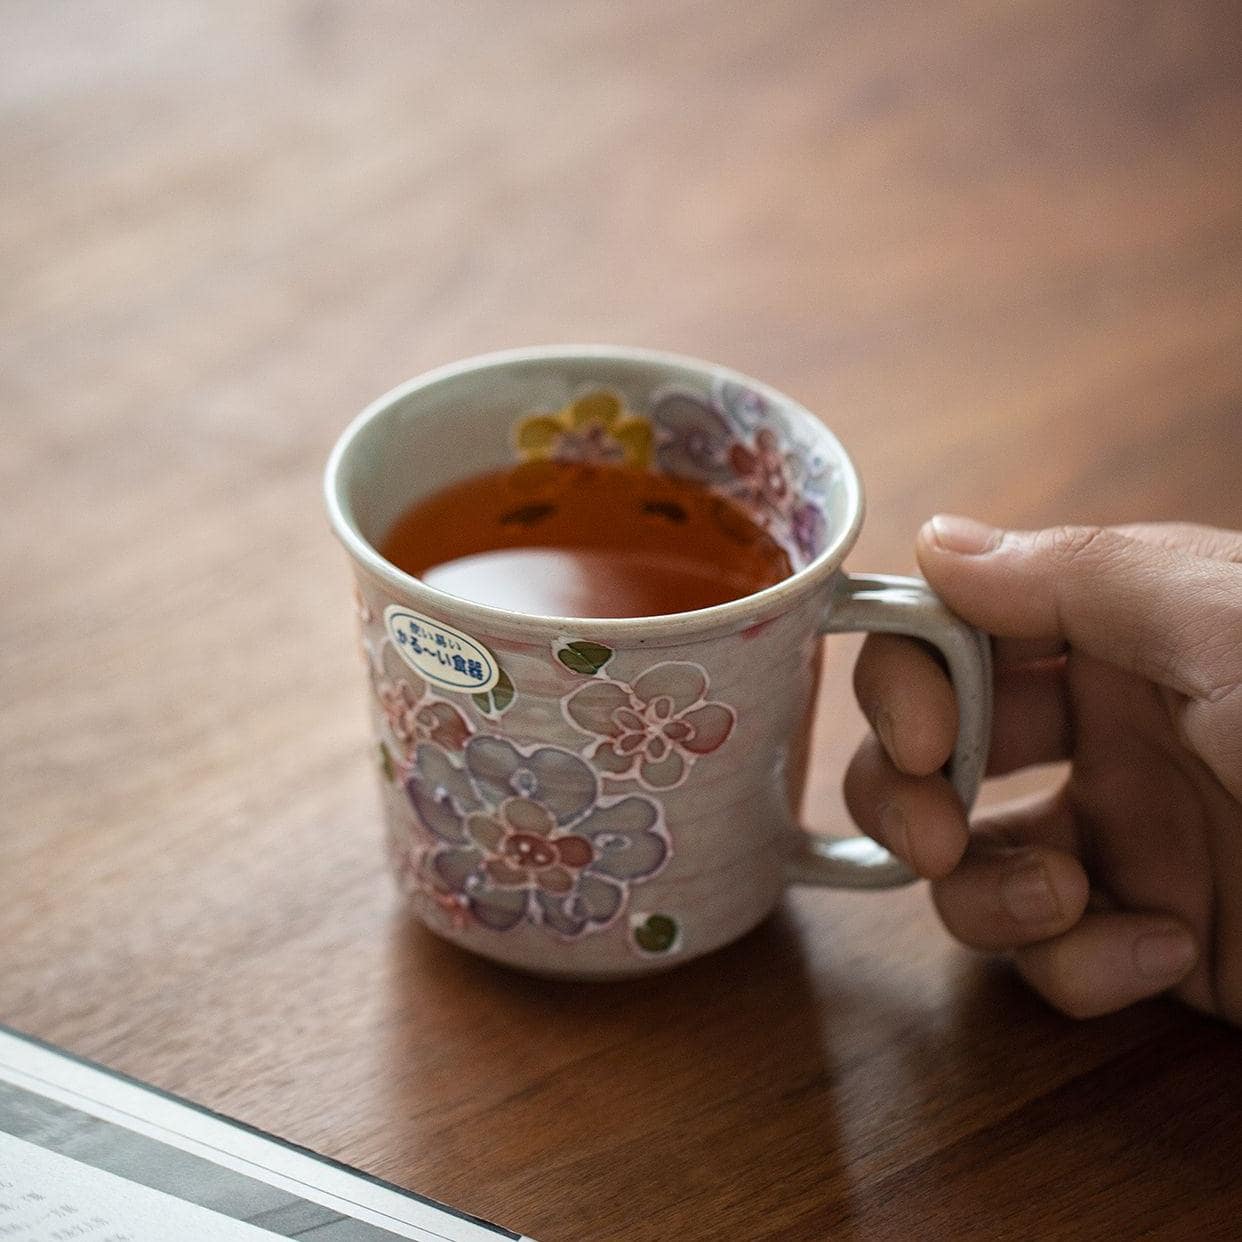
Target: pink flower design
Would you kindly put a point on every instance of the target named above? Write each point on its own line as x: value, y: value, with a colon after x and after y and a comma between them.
x: 761, y: 469
x: 655, y: 730
x: 414, y: 715
x: 414, y: 718
x: 411, y: 877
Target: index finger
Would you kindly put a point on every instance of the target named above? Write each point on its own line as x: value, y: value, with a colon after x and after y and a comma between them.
x: 1170, y: 617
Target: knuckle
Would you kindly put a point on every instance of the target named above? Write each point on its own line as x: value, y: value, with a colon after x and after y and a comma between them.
x: 1072, y: 543
x: 1211, y: 639
x: 1227, y: 642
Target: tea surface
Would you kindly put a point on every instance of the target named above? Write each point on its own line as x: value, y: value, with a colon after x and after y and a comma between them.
x: 573, y: 540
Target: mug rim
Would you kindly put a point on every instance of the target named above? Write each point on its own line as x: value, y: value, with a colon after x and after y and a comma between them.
x: 735, y: 614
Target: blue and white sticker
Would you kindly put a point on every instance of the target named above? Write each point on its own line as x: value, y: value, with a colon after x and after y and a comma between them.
x: 444, y: 656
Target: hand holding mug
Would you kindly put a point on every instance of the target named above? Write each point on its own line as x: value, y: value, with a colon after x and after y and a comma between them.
x: 1119, y: 650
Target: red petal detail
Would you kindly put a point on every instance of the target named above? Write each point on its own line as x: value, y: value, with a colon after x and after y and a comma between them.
x: 712, y: 723
x: 743, y: 461
x: 630, y: 743
x: 555, y: 880
x: 661, y: 707
x: 574, y: 851
x: 628, y: 721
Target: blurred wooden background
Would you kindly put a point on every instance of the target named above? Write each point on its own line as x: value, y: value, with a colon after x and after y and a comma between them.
x: 997, y: 247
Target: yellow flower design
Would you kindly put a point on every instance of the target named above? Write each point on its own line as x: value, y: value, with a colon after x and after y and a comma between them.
x: 596, y: 428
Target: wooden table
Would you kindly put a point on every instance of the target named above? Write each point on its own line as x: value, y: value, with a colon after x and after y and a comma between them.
x: 998, y: 247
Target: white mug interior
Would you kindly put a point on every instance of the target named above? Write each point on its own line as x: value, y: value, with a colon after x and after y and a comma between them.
x: 706, y: 423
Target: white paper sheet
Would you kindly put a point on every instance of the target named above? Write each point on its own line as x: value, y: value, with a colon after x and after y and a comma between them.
x: 49, y: 1198
x: 86, y: 1143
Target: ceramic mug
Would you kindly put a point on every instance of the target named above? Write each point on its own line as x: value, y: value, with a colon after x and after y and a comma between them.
x: 603, y: 798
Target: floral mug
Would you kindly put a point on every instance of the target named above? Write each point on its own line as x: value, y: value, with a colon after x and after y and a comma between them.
x: 604, y: 798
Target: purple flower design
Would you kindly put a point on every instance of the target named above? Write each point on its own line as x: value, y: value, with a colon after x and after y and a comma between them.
x: 808, y: 527
x: 743, y: 405
x: 744, y: 448
x: 692, y: 437
x: 527, y: 837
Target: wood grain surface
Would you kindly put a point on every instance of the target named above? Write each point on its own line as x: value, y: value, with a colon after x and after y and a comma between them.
x: 997, y: 246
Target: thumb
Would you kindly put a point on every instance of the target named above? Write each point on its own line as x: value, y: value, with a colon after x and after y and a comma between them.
x: 1167, y: 616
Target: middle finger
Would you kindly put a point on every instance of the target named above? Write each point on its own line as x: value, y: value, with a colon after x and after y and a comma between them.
x: 909, y: 701
x: 918, y: 818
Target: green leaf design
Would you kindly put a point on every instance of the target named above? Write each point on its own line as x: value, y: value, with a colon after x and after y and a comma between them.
x: 584, y: 657
x: 657, y: 935
x: 494, y: 701
x: 387, y: 766
x: 503, y: 692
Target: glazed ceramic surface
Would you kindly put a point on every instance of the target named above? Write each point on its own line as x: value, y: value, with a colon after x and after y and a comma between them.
x: 601, y: 798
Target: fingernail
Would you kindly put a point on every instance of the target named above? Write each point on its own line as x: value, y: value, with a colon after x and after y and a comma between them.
x: 896, y: 831
x: 1027, y: 894
x: 963, y: 535
x: 1164, y: 955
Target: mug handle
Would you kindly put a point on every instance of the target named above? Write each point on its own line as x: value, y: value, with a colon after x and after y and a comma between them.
x: 882, y: 603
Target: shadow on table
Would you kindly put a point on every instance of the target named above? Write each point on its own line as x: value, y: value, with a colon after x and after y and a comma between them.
x: 1026, y: 1121
x: 701, y: 1098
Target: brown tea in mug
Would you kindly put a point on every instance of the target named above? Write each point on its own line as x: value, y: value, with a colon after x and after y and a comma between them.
x: 574, y: 540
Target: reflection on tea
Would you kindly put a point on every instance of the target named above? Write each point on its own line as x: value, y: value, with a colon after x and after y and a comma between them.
x: 574, y: 540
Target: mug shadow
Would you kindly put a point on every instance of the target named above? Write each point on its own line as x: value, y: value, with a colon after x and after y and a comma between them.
x: 664, y: 1106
